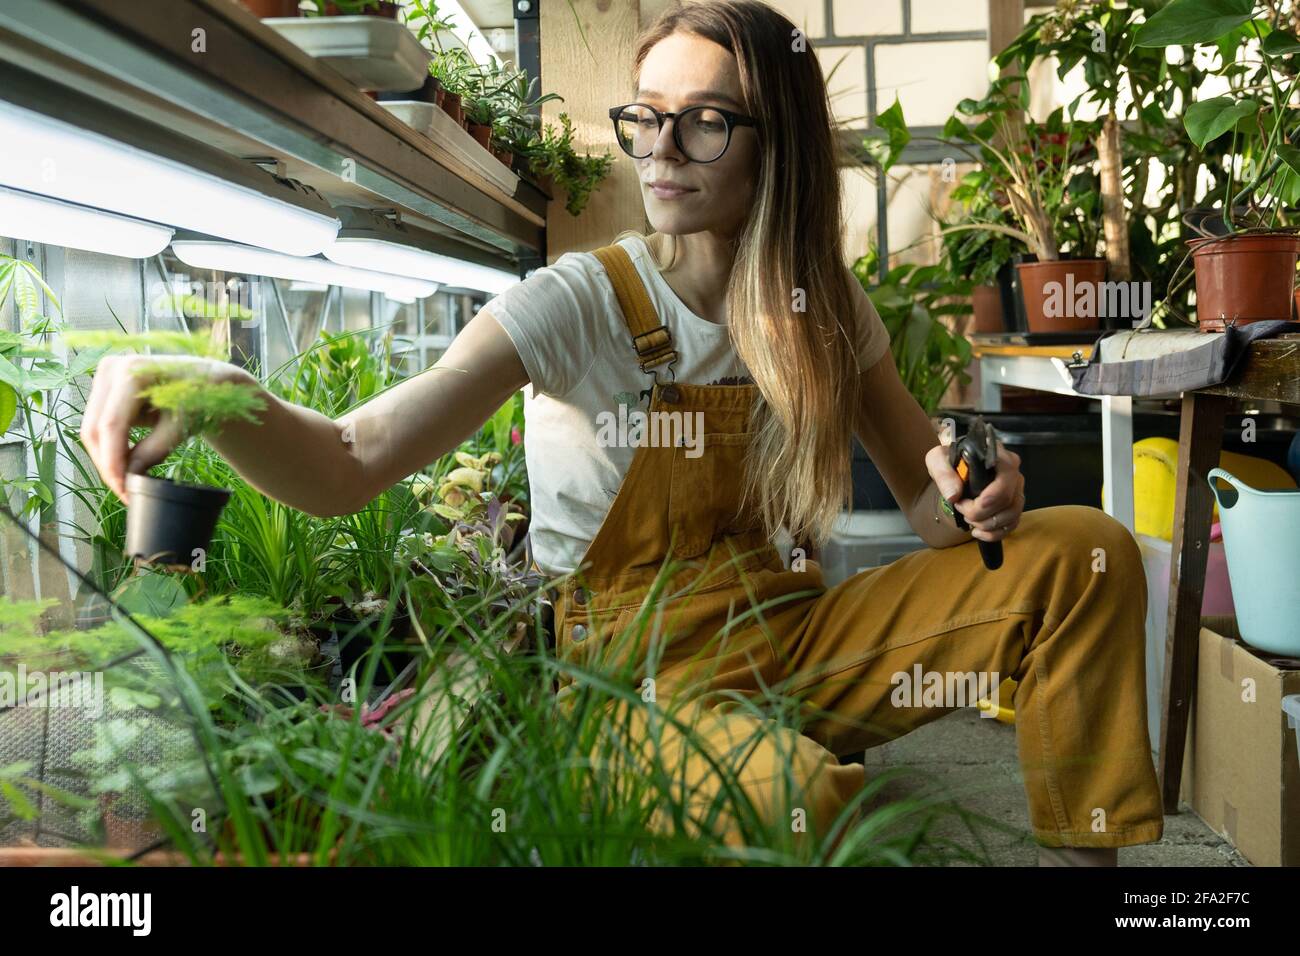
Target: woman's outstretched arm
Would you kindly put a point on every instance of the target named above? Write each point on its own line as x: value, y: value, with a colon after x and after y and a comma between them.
x: 297, y: 455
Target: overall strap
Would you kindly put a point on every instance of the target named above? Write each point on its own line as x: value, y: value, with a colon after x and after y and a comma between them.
x: 650, y: 337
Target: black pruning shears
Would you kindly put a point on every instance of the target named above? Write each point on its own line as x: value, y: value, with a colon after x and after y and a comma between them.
x: 974, y: 457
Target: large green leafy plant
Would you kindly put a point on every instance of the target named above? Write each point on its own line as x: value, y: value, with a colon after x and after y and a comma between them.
x: 1039, y: 174
x: 1148, y: 170
x: 911, y: 301
x: 1133, y: 91
x: 1255, y: 57
x: 37, y: 382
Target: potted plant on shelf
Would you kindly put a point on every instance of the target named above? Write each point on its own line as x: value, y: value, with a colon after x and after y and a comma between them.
x: 353, y: 8
x: 268, y: 9
x: 170, y: 523
x: 1040, y: 175
x: 481, y: 102
x: 557, y: 160
x: 1245, y: 259
x: 516, y: 127
x: 1141, y: 141
x: 974, y: 261
x: 429, y: 26
x: 981, y: 256
x: 368, y: 559
x: 453, y: 69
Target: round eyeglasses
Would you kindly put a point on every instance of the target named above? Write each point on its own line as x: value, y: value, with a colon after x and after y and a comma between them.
x: 702, y: 133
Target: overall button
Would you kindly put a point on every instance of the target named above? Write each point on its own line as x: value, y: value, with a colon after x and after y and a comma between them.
x: 580, y: 597
x: 671, y: 395
x: 579, y: 633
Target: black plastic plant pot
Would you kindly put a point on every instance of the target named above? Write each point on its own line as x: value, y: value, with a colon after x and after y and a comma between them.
x: 168, y: 522
x: 356, y: 637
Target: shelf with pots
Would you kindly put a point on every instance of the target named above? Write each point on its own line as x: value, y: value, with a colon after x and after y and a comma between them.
x: 484, y: 116
x: 373, y: 53
x: 118, y: 68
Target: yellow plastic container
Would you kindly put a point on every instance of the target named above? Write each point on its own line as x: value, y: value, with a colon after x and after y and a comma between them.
x: 1155, y: 480
x: 1006, y: 711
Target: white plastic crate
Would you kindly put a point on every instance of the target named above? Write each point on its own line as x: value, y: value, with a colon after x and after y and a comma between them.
x: 1291, y: 706
x: 1217, y: 602
x: 372, y: 53
x: 866, y: 539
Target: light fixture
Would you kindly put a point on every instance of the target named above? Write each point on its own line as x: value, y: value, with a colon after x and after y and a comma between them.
x: 58, y: 160
x: 469, y: 36
x: 248, y: 260
x: 373, y: 240
x: 56, y: 223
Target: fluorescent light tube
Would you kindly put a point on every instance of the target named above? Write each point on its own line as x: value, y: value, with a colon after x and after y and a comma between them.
x: 55, y: 223
x: 228, y: 257
x: 52, y: 158
x: 384, y: 256
x: 464, y: 29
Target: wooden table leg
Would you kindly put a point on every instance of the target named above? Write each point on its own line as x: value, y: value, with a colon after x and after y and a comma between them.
x: 1199, y: 443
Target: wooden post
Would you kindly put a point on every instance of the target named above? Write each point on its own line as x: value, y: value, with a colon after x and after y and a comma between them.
x: 592, y: 76
x: 1006, y: 20
x: 1199, y: 441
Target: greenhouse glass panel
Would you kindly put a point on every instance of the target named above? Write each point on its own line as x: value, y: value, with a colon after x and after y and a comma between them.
x: 98, y: 739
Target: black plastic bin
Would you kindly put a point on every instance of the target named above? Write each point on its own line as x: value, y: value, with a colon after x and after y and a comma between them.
x: 1061, y: 455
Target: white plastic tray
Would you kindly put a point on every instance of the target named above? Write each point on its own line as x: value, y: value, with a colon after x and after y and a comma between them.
x: 434, y: 123
x: 373, y: 53
x: 1291, y: 706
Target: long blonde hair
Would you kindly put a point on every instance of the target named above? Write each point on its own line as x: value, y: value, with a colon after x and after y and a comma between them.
x: 789, y: 255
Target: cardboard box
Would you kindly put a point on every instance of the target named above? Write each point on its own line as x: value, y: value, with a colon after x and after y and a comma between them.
x: 1241, y: 773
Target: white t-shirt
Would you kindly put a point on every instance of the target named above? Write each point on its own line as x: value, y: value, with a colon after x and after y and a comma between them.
x: 567, y: 326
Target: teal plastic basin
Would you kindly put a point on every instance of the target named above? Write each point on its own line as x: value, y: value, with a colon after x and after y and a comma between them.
x: 1261, y: 536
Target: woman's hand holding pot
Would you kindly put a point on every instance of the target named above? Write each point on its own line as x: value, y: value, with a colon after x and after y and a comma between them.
x: 115, y: 406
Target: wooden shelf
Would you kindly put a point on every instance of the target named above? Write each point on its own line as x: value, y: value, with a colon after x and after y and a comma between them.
x: 210, y: 73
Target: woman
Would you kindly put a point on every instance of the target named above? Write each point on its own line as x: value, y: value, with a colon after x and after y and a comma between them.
x: 736, y: 333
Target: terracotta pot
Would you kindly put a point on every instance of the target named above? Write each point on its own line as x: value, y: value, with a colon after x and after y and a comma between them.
x: 1297, y: 303
x: 271, y: 8
x: 987, y: 303
x: 1050, y: 291
x: 451, y: 104
x: 1243, y: 279
x: 386, y: 9
x: 481, y: 132
x: 501, y: 154
x: 71, y: 856
x: 123, y: 831
x: 426, y: 93
x: 521, y: 166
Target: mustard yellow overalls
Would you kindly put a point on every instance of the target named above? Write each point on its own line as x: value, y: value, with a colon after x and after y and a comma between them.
x: 689, y: 597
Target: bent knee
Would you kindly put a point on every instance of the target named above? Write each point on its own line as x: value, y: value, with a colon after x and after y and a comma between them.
x: 1089, y: 536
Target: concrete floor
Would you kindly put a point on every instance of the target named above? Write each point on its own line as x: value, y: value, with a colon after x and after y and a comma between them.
x: 972, y: 761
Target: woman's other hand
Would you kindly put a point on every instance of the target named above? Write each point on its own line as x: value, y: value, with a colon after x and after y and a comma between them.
x: 996, y: 511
